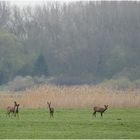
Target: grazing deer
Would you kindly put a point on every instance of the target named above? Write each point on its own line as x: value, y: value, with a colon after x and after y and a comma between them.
x: 11, y: 109
x: 100, y: 109
x: 51, y: 110
x: 16, y: 110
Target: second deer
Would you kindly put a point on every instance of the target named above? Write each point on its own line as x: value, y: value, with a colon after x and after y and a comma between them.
x: 100, y: 110
x: 51, y: 110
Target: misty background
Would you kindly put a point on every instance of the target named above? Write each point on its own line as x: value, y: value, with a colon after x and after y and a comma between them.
x: 75, y: 43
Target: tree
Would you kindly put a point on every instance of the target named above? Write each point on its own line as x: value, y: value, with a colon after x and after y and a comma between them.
x: 12, y: 56
x: 40, y: 67
x: 4, y: 14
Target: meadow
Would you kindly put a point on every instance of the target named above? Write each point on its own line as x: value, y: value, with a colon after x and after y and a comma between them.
x: 71, y: 123
x: 73, y: 113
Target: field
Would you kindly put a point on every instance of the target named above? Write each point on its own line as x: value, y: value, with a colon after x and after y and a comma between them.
x: 71, y: 123
x: 73, y: 113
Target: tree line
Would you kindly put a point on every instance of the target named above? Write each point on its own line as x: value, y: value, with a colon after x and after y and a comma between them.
x: 73, y: 43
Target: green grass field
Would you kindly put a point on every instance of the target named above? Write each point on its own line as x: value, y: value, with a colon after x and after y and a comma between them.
x: 71, y: 123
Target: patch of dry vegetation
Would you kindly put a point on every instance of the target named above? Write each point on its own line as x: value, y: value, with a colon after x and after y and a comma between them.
x: 71, y: 97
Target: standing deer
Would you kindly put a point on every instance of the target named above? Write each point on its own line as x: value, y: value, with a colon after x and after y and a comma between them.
x: 16, y: 110
x: 11, y: 109
x: 100, y: 109
x: 51, y: 110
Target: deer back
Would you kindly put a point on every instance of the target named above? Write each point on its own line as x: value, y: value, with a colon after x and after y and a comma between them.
x: 100, y: 109
x: 10, y: 109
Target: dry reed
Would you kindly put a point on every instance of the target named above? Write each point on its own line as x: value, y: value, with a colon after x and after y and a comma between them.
x: 71, y: 97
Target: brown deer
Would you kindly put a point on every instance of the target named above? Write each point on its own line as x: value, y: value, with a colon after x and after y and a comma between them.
x: 100, y: 110
x: 51, y: 110
x: 11, y: 109
x: 17, y: 110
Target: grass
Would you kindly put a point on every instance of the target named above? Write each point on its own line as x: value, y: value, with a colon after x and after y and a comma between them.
x: 71, y: 97
x: 120, y: 121
x: 71, y: 123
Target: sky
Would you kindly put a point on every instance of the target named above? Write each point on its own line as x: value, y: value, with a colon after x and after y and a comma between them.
x: 23, y: 3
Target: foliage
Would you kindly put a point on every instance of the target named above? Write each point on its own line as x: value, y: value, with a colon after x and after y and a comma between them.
x: 75, y: 43
x: 40, y: 66
x: 12, y: 56
x: 20, y: 83
x: 136, y: 84
x: 122, y: 83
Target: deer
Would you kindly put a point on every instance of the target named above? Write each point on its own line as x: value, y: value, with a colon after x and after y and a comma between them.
x: 51, y: 110
x: 11, y: 109
x: 17, y: 110
x: 100, y: 110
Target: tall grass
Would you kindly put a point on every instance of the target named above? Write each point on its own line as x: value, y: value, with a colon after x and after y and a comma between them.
x: 71, y: 97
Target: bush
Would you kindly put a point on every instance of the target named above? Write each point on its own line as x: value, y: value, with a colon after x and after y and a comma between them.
x: 119, y: 84
x: 20, y: 83
x: 136, y: 84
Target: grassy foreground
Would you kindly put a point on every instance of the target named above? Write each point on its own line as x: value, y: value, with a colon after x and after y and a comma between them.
x: 71, y: 123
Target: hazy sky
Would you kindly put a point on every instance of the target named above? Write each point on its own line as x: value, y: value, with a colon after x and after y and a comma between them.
x: 25, y: 2
x: 33, y: 2
x: 36, y: 1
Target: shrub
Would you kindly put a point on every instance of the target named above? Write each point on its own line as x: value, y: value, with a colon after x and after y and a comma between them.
x: 119, y: 84
x: 20, y: 83
x: 136, y: 84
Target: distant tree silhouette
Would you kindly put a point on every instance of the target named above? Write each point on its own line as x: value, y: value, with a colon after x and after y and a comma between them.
x: 40, y: 66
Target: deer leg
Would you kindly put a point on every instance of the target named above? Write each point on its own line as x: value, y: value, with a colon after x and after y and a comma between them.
x: 14, y: 114
x: 8, y: 113
x: 101, y: 114
x: 94, y: 113
x: 11, y: 114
